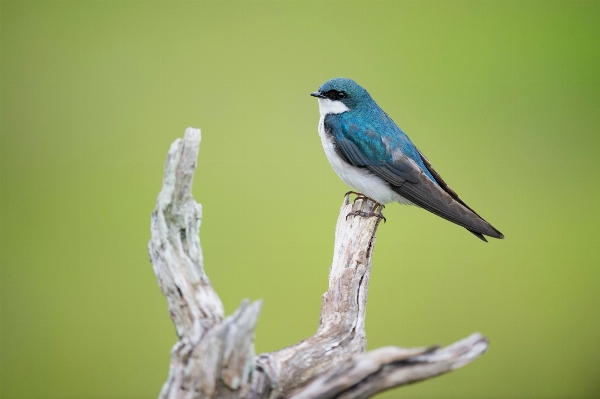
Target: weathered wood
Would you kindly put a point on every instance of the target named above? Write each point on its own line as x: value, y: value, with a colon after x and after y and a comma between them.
x: 214, y: 356
x: 364, y: 375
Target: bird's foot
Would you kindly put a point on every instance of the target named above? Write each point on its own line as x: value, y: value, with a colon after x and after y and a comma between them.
x: 354, y: 192
x: 377, y: 209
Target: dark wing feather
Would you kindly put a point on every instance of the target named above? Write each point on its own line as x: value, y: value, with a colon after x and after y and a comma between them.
x: 444, y: 202
x: 432, y: 197
x: 441, y: 181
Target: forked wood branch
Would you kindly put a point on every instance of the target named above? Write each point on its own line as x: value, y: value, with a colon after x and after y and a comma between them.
x: 214, y: 355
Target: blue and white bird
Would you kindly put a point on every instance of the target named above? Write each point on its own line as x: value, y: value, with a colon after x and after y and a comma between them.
x: 375, y: 157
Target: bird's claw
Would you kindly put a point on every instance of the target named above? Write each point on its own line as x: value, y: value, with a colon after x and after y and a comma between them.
x: 376, y: 209
x: 359, y: 196
x: 367, y: 215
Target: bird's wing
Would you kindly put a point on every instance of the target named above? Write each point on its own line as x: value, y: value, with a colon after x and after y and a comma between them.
x: 435, y: 199
x: 360, y: 145
x: 487, y: 228
x: 406, y: 178
x: 395, y: 173
x: 441, y: 181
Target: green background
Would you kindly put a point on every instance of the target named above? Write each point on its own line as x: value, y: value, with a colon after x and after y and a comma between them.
x: 502, y: 97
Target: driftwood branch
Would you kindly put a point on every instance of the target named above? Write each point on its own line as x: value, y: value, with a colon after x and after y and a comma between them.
x: 214, y: 355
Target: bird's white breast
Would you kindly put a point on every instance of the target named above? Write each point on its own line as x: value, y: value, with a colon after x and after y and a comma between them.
x: 360, y: 179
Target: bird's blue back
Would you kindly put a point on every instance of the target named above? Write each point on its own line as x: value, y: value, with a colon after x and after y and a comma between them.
x: 374, y: 133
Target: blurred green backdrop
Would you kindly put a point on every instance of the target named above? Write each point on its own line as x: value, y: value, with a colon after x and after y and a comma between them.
x: 503, y: 97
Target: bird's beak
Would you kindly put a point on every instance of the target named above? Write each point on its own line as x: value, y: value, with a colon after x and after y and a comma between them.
x: 317, y: 94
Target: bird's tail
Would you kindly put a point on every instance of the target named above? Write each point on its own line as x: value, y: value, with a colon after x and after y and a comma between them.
x: 433, y: 198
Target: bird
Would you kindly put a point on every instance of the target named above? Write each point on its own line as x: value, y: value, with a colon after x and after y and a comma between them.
x: 371, y: 154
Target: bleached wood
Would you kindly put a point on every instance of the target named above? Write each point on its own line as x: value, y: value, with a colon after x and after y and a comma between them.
x: 214, y: 355
x: 364, y: 375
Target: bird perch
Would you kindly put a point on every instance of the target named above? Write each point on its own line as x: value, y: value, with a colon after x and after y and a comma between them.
x: 214, y: 355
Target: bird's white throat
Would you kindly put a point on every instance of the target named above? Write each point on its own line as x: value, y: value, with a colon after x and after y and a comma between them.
x: 327, y: 106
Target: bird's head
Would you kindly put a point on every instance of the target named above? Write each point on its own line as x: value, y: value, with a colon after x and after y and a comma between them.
x: 339, y: 95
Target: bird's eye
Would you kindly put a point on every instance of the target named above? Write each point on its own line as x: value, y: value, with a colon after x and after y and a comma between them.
x: 335, y: 95
x: 331, y: 94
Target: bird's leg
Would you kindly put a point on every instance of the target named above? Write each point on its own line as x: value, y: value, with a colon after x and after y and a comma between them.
x: 377, y: 209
